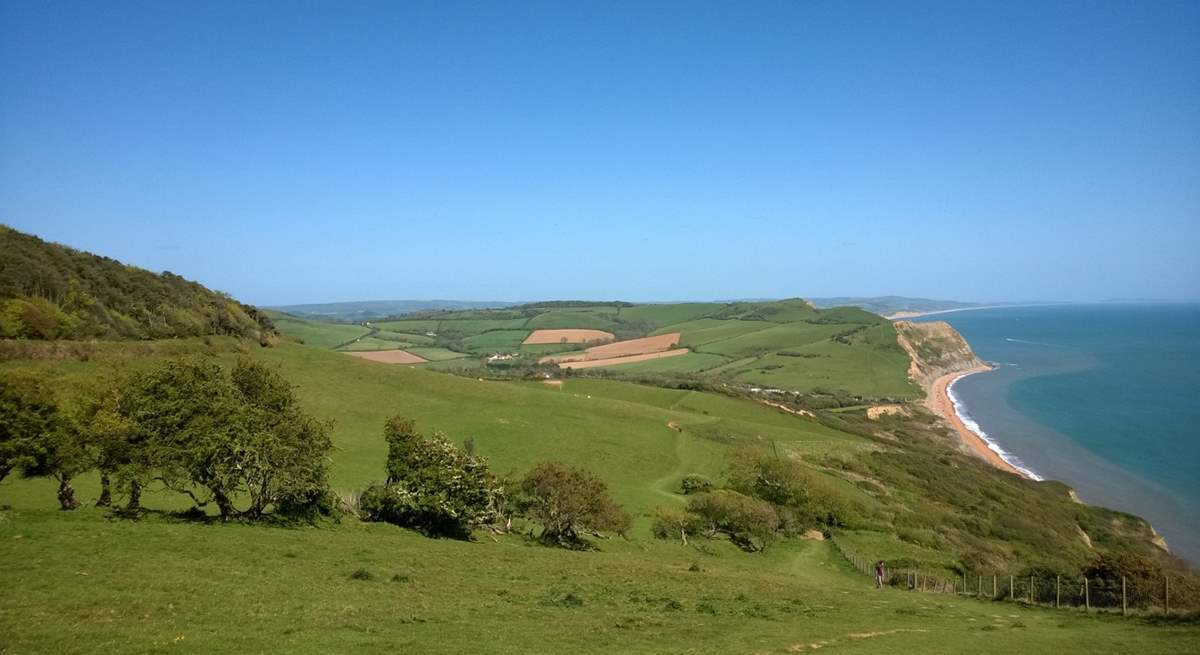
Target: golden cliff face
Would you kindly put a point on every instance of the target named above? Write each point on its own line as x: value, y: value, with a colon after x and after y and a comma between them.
x: 934, y: 349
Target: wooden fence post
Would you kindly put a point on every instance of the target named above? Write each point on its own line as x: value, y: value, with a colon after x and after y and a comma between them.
x: 979, y: 586
x: 993, y: 586
x: 1011, y: 594
x: 1031, y: 590
x: 1057, y: 591
x: 1124, y: 609
x: 1087, y: 598
x: 964, y: 583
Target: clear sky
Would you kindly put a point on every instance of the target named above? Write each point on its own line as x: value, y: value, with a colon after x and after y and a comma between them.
x: 307, y: 152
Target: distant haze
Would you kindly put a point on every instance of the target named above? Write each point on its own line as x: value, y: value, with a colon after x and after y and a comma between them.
x: 325, y: 152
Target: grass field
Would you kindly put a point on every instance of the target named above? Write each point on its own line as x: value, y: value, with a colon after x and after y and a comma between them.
x: 316, y: 333
x: 689, y: 363
x: 83, y: 582
x: 496, y: 341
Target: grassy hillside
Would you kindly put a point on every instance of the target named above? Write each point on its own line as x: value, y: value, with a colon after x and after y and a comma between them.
x: 79, y: 581
x: 50, y: 291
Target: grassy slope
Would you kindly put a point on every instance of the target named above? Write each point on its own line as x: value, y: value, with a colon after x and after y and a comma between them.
x: 79, y: 582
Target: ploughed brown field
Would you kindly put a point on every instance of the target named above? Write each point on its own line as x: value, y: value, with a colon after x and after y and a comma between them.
x: 612, y: 361
x: 567, y: 336
x: 389, y: 356
x: 620, y: 349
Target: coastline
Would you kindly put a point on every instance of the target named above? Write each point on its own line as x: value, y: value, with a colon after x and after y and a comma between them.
x: 941, y: 401
x: 908, y: 315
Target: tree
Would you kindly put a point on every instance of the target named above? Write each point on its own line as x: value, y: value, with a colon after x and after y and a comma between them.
x: 97, y: 421
x: 30, y: 420
x: 40, y: 435
x: 566, y: 501
x: 749, y: 523
x: 432, y: 485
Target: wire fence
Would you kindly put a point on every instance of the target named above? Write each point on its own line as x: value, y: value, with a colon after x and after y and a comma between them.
x: 1165, y: 594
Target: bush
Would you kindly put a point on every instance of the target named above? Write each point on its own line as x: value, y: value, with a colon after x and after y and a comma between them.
x: 802, y: 499
x: 749, y: 523
x: 695, y: 483
x: 670, y: 523
x: 566, y: 501
x: 432, y: 485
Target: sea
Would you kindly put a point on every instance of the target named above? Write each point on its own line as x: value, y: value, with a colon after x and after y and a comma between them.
x: 1103, y: 397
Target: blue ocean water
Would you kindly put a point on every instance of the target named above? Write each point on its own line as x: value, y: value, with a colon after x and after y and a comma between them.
x: 1102, y: 397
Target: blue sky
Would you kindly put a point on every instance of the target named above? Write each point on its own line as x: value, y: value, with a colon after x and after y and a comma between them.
x: 306, y: 152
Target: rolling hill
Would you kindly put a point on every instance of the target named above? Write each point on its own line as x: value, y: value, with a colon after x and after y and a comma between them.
x: 786, y: 344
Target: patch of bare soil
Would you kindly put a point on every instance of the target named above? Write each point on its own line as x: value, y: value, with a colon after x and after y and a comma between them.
x: 641, y: 346
x: 875, y: 412
x: 613, y: 361
x: 567, y: 336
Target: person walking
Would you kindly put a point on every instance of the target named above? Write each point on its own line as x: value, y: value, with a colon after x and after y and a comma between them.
x: 879, y: 574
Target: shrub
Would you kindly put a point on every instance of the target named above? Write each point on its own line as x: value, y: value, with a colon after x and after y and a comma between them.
x: 566, y: 501
x: 432, y: 485
x: 749, y: 523
x: 670, y: 523
x: 777, y: 480
x: 802, y: 499
x: 695, y: 483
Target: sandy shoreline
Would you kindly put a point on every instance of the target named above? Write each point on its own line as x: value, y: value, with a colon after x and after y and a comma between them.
x: 939, y: 402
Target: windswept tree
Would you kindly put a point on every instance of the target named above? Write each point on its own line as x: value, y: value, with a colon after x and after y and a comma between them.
x: 284, y: 460
x: 750, y: 523
x: 568, y: 502
x: 227, y: 436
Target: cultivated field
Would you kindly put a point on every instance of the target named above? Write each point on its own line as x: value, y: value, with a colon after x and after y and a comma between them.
x: 628, y: 359
x: 620, y: 349
x: 567, y: 336
x: 388, y: 356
